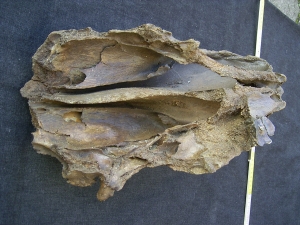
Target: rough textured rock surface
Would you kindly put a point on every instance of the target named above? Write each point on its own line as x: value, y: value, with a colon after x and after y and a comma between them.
x: 107, y: 105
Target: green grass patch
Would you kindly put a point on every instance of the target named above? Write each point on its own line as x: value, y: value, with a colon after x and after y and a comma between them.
x: 298, y: 18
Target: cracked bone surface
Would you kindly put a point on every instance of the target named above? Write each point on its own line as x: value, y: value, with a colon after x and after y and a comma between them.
x: 107, y: 105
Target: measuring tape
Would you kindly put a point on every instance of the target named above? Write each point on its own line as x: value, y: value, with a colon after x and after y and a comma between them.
x: 252, y: 152
x: 249, y: 186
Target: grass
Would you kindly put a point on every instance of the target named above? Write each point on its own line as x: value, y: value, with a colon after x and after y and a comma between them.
x: 298, y: 18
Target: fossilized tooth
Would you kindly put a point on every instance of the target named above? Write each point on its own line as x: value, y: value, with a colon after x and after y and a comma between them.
x: 109, y: 104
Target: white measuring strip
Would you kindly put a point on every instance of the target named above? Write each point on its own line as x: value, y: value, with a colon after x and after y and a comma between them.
x: 249, y: 187
x: 259, y: 27
x: 252, y: 152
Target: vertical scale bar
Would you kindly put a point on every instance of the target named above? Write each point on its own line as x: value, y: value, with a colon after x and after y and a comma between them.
x: 252, y: 152
x: 249, y: 186
x: 259, y: 27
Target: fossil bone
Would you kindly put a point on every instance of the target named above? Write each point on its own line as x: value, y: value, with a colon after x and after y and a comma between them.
x: 107, y: 105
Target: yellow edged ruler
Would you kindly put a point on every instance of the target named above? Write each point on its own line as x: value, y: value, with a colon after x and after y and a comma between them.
x: 249, y: 187
x: 252, y: 152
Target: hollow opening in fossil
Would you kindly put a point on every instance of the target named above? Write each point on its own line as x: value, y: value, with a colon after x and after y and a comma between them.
x: 72, y: 116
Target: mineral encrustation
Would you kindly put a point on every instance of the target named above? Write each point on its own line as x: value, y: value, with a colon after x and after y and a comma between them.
x: 107, y: 105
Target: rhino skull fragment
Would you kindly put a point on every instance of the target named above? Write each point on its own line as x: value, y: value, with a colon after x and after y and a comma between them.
x: 107, y: 105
